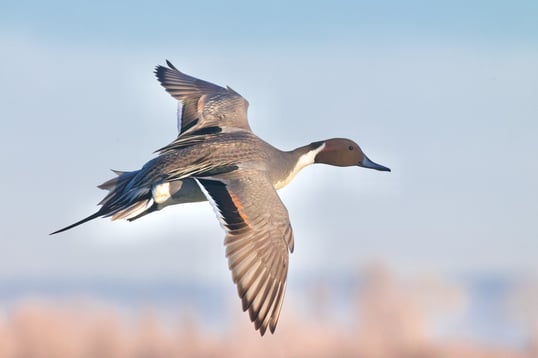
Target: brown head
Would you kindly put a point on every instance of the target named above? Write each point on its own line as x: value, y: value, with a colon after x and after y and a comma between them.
x: 343, y: 152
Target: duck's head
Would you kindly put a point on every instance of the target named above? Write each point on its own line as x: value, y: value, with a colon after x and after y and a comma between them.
x: 344, y: 152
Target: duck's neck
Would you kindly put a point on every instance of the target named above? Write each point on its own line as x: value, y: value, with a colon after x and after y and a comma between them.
x: 293, y: 162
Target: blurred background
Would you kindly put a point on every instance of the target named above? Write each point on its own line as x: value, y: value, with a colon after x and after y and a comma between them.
x: 436, y: 259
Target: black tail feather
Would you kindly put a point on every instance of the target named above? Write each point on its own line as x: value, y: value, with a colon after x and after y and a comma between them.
x: 121, y: 202
x: 91, y: 217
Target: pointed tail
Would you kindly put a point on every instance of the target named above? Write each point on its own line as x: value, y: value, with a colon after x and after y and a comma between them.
x: 121, y: 202
x: 91, y: 217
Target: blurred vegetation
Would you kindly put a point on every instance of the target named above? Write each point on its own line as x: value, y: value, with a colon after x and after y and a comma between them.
x: 392, y: 318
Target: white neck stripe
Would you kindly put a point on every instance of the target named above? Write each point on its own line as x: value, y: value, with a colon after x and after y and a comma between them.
x: 304, y: 160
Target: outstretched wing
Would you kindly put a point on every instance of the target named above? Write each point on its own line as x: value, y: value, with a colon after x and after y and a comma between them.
x: 258, y: 238
x: 204, y: 104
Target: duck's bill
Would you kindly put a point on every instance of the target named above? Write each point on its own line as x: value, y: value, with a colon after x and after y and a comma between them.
x: 367, y: 163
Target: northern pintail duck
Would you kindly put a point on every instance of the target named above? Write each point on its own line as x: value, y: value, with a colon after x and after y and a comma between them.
x: 216, y: 156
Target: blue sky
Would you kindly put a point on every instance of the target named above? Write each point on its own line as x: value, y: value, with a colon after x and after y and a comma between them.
x: 145, y: 24
x: 445, y: 94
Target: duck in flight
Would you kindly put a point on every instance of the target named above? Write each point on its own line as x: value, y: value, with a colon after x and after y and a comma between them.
x: 216, y: 157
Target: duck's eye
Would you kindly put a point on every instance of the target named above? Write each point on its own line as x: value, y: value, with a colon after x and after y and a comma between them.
x: 350, y: 147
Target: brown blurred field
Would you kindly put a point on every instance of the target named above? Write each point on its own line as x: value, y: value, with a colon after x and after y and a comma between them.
x: 392, y: 318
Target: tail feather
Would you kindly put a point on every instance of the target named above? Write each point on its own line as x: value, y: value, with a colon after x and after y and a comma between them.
x: 91, y: 217
x: 134, y: 210
x: 149, y: 210
x: 110, y: 184
x: 115, y: 184
x: 121, y: 202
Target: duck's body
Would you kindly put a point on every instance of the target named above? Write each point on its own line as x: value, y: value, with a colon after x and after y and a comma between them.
x: 217, y: 156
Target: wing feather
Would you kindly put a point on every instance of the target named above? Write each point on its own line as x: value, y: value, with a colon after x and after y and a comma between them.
x: 204, y: 104
x: 258, y: 241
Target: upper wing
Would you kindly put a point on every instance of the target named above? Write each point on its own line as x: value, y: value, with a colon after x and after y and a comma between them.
x: 204, y: 104
x: 258, y: 238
